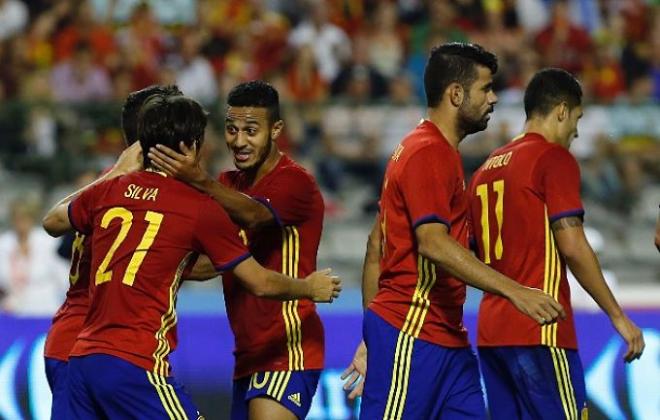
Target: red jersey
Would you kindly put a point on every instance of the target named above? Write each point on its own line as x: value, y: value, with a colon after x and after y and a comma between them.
x: 514, y: 197
x: 271, y: 335
x: 424, y: 183
x: 69, y: 319
x: 145, y: 227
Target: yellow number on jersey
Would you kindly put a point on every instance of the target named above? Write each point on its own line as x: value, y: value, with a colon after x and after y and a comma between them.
x: 482, y: 193
x: 243, y: 236
x: 154, y: 219
x: 383, y: 235
x: 76, y: 255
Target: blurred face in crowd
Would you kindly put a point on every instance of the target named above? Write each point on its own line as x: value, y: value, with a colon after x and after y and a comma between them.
x: 478, y: 103
x: 250, y: 135
x: 22, y: 220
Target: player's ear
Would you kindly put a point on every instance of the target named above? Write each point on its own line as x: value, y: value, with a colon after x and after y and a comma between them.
x: 276, y: 129
x: 563, y: 111
x: 456, y: 94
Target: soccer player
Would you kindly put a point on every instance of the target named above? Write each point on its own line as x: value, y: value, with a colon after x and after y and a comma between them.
x: 68, y: 321
x: 279, y: 346
x: 419, y: 362
x: 527, y: 214
x: 145, y: 228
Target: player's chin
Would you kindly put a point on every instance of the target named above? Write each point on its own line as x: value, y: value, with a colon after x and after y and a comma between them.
x: 243, y: 164
x: 482, y: 124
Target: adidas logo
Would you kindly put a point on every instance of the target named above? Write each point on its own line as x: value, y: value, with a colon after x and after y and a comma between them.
x: 295, y: 398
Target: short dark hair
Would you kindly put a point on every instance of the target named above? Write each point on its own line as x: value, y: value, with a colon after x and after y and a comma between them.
x: 549, y: 88
x: 454, y: 62
x: 168, y: 120
x: 132, y: 105
x: 259, y: 94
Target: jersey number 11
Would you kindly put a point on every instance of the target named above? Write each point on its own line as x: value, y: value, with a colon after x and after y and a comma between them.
x: 482, y: 193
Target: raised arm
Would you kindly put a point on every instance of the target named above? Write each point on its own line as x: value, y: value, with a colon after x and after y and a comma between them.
x: 581, y: 259
x: 319, y: 286
x: 56, y: 221
x: 435, y: 243
x: 245, y: 211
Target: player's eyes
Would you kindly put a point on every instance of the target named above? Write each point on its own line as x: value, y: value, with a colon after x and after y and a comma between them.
x: 251, y: 131
x: 231, y: 130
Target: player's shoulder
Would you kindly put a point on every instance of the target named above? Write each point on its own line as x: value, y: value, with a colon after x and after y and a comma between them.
x: 289, y: 169
x: 555, y: 153
x: 424, y: 138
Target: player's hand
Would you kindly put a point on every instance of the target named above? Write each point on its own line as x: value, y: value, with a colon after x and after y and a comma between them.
x: 632, y: 335
x: 537, y: 304
x: 130, y: 160
x: 356, y: 372
x: 323, y: 286
x: 183, y: 166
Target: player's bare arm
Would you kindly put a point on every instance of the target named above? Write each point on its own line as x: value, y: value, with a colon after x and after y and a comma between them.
x: 435, y: 243
x: 354, y: 374
x: 56, y: 222
x: 243, y: 210
x: 319, y: 286
x: 657, y: 233
x: 371, y: 266
x: 581, y: 259
x: 202, y: 270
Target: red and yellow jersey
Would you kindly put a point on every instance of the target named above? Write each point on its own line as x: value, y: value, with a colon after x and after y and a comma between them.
x: 424, y: 183
x: 69, y: 319
x: 515, y: 195
x: 271, y: 335
x: 145, y: 228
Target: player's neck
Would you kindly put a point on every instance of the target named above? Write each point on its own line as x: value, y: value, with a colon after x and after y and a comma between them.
x: 541, y: 127
x: 447, y: 126
x: 271, y: 162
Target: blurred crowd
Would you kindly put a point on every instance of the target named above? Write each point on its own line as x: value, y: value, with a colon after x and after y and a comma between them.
x: 348, y: 71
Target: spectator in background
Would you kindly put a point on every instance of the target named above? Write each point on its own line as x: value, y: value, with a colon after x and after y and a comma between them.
x: 195, y: 76
x: 32, y: 275
x: 83, y: 28
x: 351, y: 138
x: 562, y: 43
x: 438, y: 25
x: 303, y: 94
x: 605, y: 78
x: 78, y: 79
x: 386, y: 41
x: 330, y: 43
x: 13, y: 66
x: 303, y: 80
x: 359, y: 64
x: 400, y: 115
x: 142, y: 45
x: 13, y: 18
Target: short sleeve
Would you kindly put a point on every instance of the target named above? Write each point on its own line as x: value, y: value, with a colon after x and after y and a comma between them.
x: 290, y: 197
x: 81, y: 210
x: 559, y: 176
x: 427, y: 184
x: 219, y: 238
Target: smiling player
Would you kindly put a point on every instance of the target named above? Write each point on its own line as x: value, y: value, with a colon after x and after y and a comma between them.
x: 279, y: 346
